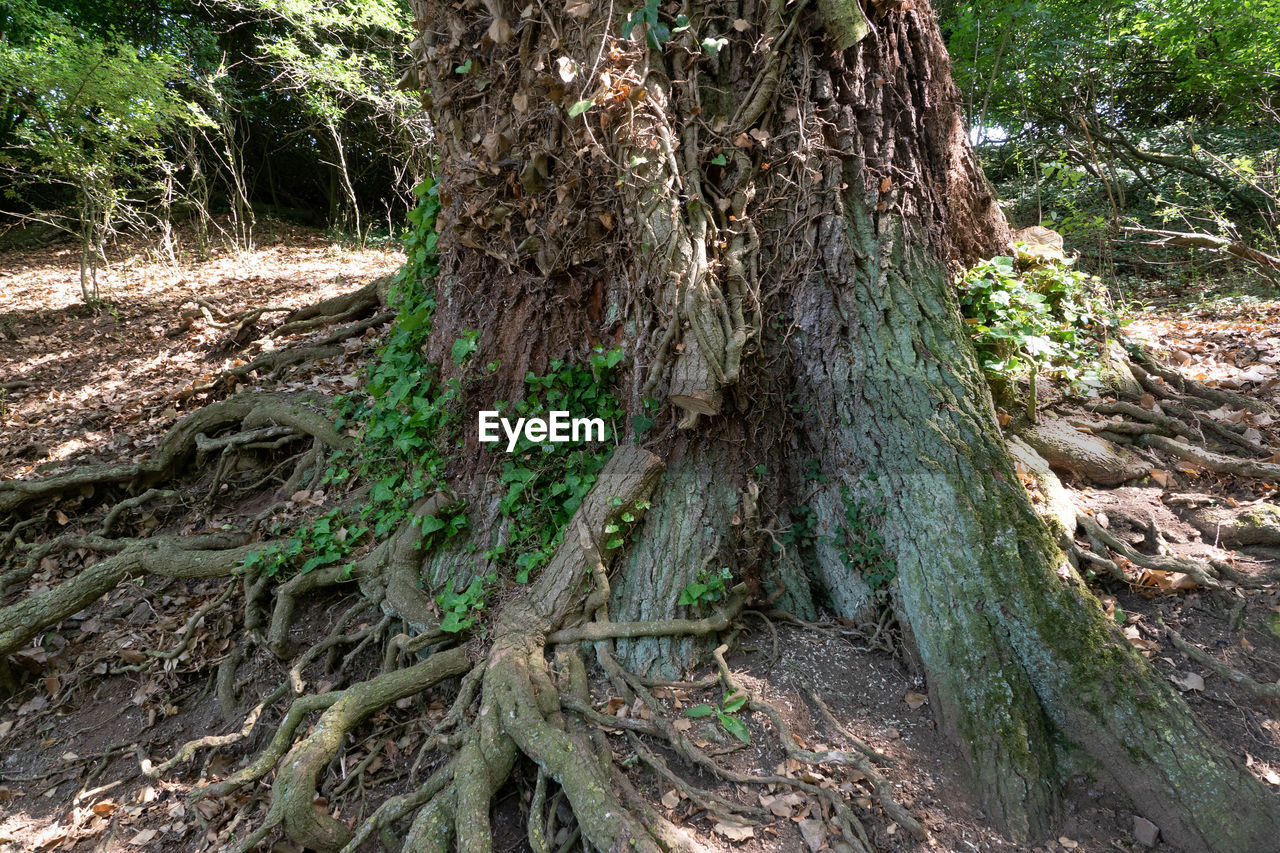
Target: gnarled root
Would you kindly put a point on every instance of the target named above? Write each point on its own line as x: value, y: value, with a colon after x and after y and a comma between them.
x: 337, y: 309
x: 169, y: 556
x: 177, y: 445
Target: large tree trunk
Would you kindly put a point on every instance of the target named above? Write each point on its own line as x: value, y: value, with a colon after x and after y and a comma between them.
x: 766, y: 230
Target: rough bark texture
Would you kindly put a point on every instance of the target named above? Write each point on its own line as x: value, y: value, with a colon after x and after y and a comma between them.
x: 767, y: 231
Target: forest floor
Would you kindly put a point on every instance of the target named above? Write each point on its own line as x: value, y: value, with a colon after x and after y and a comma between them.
x: 93, y: 701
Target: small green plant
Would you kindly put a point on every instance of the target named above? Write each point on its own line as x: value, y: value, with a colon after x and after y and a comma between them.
x: 462, y: 609
x: 657, y: 32
x: 862, y: 548
x: 707, y: 588
x: 464, y: 346
x: 1045, y: 318
x: 801, y: 533
x: 730, y: 705
x: 406, y: 418
x: 813, y: 472
x: 615, y: 530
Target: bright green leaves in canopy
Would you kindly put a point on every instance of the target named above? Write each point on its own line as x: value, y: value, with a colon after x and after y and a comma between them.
x: 82, y: 109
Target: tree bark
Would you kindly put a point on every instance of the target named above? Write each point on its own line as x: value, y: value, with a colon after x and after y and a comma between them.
x: 766, y: 229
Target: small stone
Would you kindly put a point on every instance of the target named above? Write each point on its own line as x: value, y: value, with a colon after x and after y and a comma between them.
x: 814, y: 833
x: 1145, y: 832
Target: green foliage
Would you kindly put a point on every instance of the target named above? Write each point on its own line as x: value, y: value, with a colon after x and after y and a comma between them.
x: 406, y: 419
x: 1148, y: 64
x: 326, y: 540
x: 1094, y: 117
x: 707, y: 588
x: 616, y: 531
x: 1047, y: 317
x: 121, y: 112
x: 86, y: 113
x: 862, y: 548
x: 657, y: 33
x: 723, y: 712
x: 547, y: 482
x: 463, y: 609
x: 803, y: 529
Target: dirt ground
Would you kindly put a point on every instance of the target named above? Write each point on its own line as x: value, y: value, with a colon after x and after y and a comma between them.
x: 121, y: 686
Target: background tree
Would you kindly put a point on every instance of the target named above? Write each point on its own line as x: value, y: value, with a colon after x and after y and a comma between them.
x: 89, y: 115
x: 283, y: 107
x: 1162, y: 117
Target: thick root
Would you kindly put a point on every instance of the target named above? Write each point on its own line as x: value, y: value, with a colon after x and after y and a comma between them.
x: 1217, y: 462
x: 168, y: 556
x: 177, y: 445
x: 295, y: 785
x: 337, y: 309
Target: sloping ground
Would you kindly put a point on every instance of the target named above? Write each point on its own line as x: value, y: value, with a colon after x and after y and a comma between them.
x: 117, y: 689
x: 105, y: 384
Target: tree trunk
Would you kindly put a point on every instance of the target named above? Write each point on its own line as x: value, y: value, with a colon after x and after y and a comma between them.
x: 760, y: 210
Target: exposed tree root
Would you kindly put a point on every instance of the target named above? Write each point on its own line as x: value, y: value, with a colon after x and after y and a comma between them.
x: 295, y: 784
x: 1194, y: 388
x: 519, y: 709
x: 168, y: 556
x: 1262, y: 691
x: 178, y: 444
x: 337, y: 309
x: 278, y: 361
x: 1217, y: 462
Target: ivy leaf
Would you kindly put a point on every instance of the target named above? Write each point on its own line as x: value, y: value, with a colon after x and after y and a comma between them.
x: 430, y: 524
x: 452, y: 623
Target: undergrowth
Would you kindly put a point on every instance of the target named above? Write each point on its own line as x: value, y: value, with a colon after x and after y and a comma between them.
x: 547, y: 481
x: 406, y: 419
x: 1031, y: 316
